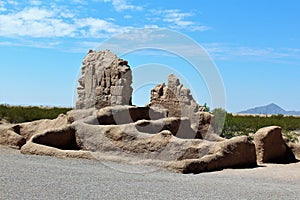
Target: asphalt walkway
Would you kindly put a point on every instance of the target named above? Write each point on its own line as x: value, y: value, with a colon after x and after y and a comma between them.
x: 43, y: 177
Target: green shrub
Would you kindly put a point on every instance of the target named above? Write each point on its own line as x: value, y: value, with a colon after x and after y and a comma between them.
x: 244, y: 125
x: 19, y: 114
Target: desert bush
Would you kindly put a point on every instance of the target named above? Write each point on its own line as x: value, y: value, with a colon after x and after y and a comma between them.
x: 19, y: 114
x: 243, y: 125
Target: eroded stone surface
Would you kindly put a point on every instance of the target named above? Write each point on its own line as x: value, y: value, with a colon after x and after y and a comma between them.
x: 9, y: 136
x: 29, y: 129
x: 38, y: 149
x: 181, y: 155
x: 105, y: 80
x: 148, y: 141
x: 270, y: 146
x: 295, y: 148
x: 236, y: 152
x: 179, y: 102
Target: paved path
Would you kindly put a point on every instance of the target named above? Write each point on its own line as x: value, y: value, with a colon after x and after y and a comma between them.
x: 42, y: 177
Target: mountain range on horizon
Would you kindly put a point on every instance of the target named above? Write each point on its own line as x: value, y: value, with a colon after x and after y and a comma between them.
x: 270, y: 109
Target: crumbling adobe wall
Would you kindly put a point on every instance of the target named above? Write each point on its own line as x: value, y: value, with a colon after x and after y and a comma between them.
x: 105, y: 81
x: 179, y: 102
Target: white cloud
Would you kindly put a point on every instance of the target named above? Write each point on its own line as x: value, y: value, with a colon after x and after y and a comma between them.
x: 97, y: 27
x: 2, y: 9
x: 127, y: 17
x: 176, y: 19
x: 8, y: 44
x: 151, y: 26
x: 37, y: 44
x: 34, y: 13
x: 37, y: 20
x: 40, y: 22
x: 199, y: 28
x: 2, y: 6
x: 83, y: 2
x: 67, y: 14
x: 35, y: 2
x: 11, y: 2
x: 142, y: 36
x: 229, y: 52
x: 34, y: 22
x: 121, y: 5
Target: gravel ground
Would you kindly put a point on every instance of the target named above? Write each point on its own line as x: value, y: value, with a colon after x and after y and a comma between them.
x: 43, y: 177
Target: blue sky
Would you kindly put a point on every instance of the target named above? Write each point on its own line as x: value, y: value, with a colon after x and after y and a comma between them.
x: 254, y: 44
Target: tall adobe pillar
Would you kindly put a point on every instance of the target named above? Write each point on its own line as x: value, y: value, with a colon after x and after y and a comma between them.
x: 105, y: 81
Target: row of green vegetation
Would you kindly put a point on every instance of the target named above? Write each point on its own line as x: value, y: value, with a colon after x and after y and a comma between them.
x: 19, y: 114
x: 228, y: 125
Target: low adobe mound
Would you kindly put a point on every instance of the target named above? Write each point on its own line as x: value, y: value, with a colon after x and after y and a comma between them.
x: 143, y: 140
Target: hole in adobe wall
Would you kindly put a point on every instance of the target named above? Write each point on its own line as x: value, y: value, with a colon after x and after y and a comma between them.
x: 17, y: 129
x: 129, y: 115
x: 62, y: 139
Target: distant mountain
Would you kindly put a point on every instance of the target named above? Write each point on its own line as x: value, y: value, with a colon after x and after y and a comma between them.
x: 271, y: 109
